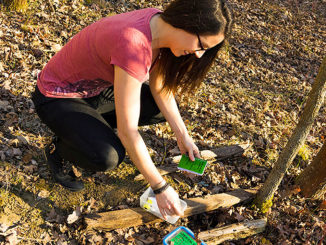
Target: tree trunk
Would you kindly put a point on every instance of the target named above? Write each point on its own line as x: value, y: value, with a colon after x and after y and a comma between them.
x: 315, y: 100
x: 312, y: 180
x: 16, y: 5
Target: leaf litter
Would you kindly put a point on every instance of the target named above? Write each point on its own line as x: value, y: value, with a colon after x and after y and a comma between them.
x: 253, y: 93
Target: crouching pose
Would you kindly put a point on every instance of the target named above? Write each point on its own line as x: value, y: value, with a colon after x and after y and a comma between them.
x: 95, y: 84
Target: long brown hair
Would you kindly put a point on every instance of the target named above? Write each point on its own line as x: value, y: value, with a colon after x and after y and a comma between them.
x: 202, y: 17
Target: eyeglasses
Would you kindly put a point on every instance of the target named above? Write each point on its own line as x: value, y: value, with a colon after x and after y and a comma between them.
x: 200, y: 44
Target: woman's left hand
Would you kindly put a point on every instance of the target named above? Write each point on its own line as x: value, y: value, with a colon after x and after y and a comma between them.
x: 187, y: 145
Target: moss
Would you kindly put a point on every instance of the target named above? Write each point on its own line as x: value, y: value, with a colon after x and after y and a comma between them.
x: 263, y: 207
x: 65, y: 199
x: 4, y: 164
x: 265, y: 241
x: 88, y: 2
x: 272, y: 155
x: 14, y: 208
x: 304, y: 152
x: 4, y: 195
x: 17, y: 180
x: 42, y: 184
x: 17, y: 5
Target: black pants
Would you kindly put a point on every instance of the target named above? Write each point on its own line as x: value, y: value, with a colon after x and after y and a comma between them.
x: 85, y: 126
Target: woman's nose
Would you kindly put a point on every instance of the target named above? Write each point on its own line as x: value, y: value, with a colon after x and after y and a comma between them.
x: 199, y: 54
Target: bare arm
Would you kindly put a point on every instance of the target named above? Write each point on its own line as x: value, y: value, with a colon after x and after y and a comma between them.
x: 168, y: 106
x: 127, y: 100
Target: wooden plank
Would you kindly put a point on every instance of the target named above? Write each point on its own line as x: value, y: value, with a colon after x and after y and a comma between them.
x: 204, y: 204
x: 219, y: 153
x: 224, y: 152
x: 137, y: 216
x: 233, y: 232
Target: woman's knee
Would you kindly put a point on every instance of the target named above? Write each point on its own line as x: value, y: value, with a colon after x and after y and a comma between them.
x: 109, y: 159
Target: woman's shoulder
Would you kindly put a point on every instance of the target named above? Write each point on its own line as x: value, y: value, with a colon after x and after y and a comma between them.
x: 126, y: 24
x: 136, y: 29
x: 142, y: 12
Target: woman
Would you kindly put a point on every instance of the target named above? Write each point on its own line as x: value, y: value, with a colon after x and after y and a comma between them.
x: 96, y: 83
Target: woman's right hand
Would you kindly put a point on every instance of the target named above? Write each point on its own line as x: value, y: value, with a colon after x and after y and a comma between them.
x: 169, y: 203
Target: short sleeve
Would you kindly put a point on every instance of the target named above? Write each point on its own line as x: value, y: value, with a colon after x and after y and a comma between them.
x: 133, y: 54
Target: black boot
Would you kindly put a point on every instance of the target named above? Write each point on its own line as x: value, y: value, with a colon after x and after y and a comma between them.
x: 54, y: 162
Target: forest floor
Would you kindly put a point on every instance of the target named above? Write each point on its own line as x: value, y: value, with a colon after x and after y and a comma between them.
x: 253, y: 95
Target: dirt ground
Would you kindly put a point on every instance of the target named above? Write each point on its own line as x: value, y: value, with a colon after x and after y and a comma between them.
x: 253, y: 95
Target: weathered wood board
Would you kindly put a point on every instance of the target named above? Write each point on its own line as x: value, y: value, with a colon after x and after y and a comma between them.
x: 233, y: 232
x: 137, y: 216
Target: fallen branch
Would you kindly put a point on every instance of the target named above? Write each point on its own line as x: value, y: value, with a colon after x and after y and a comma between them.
x: 233, y: 232
x: 125, y: 218
x: 220, y: 153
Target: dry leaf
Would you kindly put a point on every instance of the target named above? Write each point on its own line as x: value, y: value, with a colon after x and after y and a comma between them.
x: 16, y: 152
x: 292, y: 190
x: 56, y: 47
x: 122, y: 206
x: 77, y: 173
x: 46, y: 238
x: 37, y: 52
x: 12, y: 239
x: 175, y: 151
x: 43, y: 194
x: 238, y: 217
x: 148, y: 240
x: 1, y: 64
x: 72, y: 218
x: 322, y: 206
x: 52, y: 216
x: 3, y: 228
x: 137, y: 242
x: 4, y: 104
x: 27, y: 158
x: 30, y: 169
x: 22, y: 139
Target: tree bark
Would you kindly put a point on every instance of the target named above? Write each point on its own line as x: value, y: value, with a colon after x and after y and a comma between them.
x: 312, y: 180
x: 16, y: 5
x: 311, y: 109
x: 233, y: 232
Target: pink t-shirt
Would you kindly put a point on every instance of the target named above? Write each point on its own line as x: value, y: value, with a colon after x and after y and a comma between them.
x: 85, y: 65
